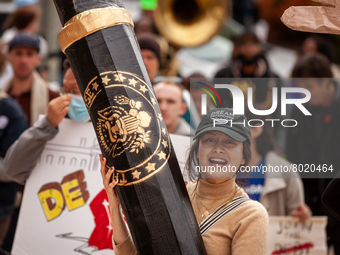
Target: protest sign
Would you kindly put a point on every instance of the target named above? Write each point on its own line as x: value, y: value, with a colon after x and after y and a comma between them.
x: 288, y: 236
x: 65, y: 208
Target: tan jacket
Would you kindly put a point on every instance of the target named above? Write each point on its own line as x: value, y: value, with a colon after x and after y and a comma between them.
x: 282, y: 192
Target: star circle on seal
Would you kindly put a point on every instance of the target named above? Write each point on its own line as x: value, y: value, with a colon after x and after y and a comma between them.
x: 129, y: 125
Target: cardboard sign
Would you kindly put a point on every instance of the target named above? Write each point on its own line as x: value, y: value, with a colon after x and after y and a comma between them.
x: 288, y: 236
x: 65, y: 209
x: 314, y: 19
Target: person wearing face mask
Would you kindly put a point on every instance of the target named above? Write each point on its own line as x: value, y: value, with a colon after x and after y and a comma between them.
x: 32, y: 142
x: 77, y: 108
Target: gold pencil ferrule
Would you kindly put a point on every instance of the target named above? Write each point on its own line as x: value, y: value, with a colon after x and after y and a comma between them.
x: 91, y: 21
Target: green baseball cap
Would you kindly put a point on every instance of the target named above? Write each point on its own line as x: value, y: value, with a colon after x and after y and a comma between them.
x: 223, y: 120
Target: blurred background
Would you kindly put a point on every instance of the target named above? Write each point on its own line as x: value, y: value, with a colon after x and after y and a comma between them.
x: 282, y: 46
x: 206, y: 39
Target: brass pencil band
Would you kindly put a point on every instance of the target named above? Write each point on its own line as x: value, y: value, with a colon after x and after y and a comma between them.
x: 91, y: 21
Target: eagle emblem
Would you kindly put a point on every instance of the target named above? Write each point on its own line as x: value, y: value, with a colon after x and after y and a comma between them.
x: 129, y: 125
x: 124, y: 128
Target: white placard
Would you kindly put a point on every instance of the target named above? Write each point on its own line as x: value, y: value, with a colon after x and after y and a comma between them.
x: 64, y: 208
x: 288, y: 236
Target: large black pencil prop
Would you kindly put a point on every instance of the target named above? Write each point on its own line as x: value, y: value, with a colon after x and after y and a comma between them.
x: 100, y: 43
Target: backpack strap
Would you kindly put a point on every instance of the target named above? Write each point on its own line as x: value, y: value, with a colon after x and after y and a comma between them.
x: 220, y: 212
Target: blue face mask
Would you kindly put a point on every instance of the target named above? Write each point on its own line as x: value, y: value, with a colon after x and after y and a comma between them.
x: 78, y: 111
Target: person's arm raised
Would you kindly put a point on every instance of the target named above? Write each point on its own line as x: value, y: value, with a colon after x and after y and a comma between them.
x: 121, y: 239
x: 57, y: 110
x: 23, y: 155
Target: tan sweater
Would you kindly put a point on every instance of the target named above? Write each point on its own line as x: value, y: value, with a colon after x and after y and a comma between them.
x: 242, y: 231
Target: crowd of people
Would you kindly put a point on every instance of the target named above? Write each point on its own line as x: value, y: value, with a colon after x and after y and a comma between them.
x: 25, y: 94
